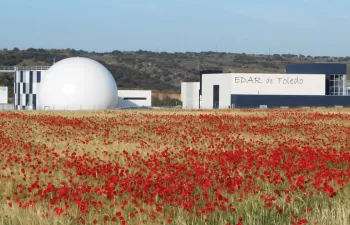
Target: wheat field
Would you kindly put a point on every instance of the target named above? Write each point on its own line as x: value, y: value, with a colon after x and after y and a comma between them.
x: 283, y: 166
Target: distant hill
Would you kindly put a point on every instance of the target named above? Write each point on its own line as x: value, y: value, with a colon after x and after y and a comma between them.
x: 159, y: 71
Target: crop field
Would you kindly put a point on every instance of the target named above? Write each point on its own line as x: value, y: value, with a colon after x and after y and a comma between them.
x: 287, y: 166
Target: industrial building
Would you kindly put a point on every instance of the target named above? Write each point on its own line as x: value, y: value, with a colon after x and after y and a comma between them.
x: 84, y: 84
x: 303, y: 85
x: 26, y: 84
x: 76, y: 83
x: 134, y: 98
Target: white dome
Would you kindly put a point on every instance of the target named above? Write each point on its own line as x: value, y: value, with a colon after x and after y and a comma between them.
x: 77, y: 84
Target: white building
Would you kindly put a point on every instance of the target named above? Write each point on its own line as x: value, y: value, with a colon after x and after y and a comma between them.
x: 218, y: 88
x: 3, y: 95
x: 225, y: 90
x: 190, y: 95
x: 134, y: 98
x: 26, y: 85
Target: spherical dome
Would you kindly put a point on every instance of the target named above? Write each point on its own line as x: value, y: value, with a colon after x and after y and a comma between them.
x: 77, y: 84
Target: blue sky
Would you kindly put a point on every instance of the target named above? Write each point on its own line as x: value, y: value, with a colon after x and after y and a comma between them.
x: 313, y: 27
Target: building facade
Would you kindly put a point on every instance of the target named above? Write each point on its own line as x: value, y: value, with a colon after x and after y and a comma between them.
x: 218, y: 89
x: 134, y: 98
x: 26, y: 84
x: 335, y: 75
x: 190, y: 95
x: 303, y: 85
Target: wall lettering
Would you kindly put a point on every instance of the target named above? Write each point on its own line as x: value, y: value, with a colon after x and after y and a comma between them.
x: 285, y: 80
x: 282, y: 80
x: 248, y: 80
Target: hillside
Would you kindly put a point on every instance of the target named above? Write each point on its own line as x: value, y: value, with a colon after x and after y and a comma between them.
x: 159, y: 71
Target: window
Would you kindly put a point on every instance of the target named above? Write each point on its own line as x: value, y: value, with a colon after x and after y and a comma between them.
x: 216, y: 100
x: 337, y: 84
x: 135, y: 98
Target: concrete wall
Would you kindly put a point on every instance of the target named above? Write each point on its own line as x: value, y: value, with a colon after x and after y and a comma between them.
x: 224, y: 81
x: 190, y: 95
x: 277, y: 101
x: 134, y: 98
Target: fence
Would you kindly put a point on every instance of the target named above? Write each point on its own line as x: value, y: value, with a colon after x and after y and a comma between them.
x: 7, y: 107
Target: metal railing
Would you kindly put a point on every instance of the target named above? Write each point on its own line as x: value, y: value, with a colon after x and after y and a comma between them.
x: 32, y: 68
x: 7, y: 69
x: 7, y: 107
x: 18, y: 68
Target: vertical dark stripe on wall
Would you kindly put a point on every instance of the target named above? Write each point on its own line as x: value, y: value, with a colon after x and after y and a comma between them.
x: 19, y: 93
x: 38, y: 80
x: 21, y: 78
x: 31, y: 82
x: 24, y: 88
x: 34, y: 101
x: 27, y: 99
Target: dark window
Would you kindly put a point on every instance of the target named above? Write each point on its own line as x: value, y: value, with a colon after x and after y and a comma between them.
x: 18, y: 93
x: 27, y: 99
x: 38, y: 77
x: 31, y: 82
x: 34, y: 101
x: 216, y: 89
x: 134, y: 98
x: 24, y: 88
x: 21, y: 76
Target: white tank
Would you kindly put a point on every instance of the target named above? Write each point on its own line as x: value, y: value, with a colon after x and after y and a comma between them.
x: 77, y: 84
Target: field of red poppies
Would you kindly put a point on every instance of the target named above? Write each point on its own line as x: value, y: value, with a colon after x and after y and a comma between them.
x: 175, y: 167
